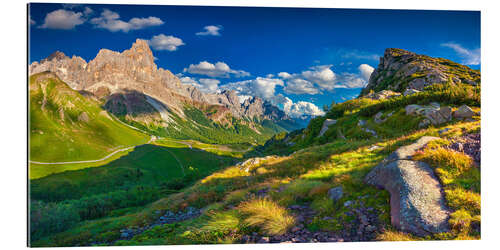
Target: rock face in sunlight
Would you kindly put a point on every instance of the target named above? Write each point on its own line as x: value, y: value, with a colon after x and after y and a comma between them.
x: 417, y: 202
x: 400, y: 70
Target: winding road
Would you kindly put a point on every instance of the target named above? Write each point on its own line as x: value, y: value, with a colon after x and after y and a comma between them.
x: 92, y: 161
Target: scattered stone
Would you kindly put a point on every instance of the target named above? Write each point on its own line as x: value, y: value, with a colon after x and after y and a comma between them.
x: 468, y: 144
x: 463, y: 112
x: 410, y: 92
x: 378, y: 117
x: 384, y: 94
x: 417, y: 202
x: 335, y: 193
x: 326, y: 125
x: 373, y: 147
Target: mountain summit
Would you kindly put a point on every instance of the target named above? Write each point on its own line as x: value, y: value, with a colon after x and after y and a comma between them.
x: 120, y: 77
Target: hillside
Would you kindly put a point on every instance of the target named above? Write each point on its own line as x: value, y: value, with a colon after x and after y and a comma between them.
x: 67, y: 126
x: 400, y: 162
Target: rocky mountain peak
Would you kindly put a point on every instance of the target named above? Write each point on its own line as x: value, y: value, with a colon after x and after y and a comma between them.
x: 400, y: 70
x: 57, y: 55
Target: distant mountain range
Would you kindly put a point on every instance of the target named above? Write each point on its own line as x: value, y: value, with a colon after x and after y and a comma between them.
x: 132, y: 87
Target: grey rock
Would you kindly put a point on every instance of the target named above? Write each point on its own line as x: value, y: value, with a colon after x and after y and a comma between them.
x: 424, y: 123
x: 406, y: 152
x: 463, y: 112
x: 335, y: 193
x: 417, y: 202
x: 326, y: 125
x: 410, y: 92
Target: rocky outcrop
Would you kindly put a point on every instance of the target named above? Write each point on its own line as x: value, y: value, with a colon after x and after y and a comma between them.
x: 433, y: 113
x: 326, y: 125
x: 400, y: 70
x: 381, y: 95
x: 417, y: 202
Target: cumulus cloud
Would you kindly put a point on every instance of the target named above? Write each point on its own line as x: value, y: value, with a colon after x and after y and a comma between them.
x: 62, y: 19
x: 318, y: 78
x: 350, y: 81
x: 260, y: 86
x: 300, y: 109
x: 210, y: 30
x: 204, y: 84
x: 284, y: 75
x: 110, y: 20
x: 163, y: 42
x: 365, y: 71
x: 219, y: 69
x: 469, y: 57
x: 322, y: 75
x: 300, y: 86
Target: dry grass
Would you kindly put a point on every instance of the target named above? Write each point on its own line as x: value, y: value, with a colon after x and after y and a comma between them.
x: 390, y: 235
x: 267, y: 215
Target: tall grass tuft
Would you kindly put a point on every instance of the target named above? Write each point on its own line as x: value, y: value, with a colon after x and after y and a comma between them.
x: 267, y: 215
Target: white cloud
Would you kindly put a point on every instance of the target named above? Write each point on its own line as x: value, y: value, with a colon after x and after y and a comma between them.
x: 284, y: 75
x: 219, y: 69
x: 87, y: 11
x: 300, y: 86
x: 469, y: 57
x: 32, y: 22
x: 350, y: 81
x: 260, y: 86
x: 365, y: 71
x: 210, y: 30
x: 300, y: 109
x: 62, y: 19
x: 163, y: 42
x: 321, y: 75
x: 204, y: 84
x: 109, y: 20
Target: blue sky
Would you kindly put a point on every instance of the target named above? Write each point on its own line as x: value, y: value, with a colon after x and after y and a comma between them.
x: 298, y: 58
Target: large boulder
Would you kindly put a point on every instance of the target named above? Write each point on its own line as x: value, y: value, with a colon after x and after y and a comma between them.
x: 433, y: 113
x: 326, y: 125
x: 463, y: 112
x: 417, y: 201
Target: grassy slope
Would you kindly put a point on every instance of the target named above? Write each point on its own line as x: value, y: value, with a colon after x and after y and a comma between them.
x: 156, y: 165
x: 59, y: 131
x: 302, y: 177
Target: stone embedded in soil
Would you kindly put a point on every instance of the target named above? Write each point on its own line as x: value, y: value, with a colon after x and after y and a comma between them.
x: 417, y: 201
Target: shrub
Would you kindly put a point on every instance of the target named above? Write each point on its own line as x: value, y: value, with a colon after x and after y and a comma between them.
x: 267, y: 215
x: 47, y: 218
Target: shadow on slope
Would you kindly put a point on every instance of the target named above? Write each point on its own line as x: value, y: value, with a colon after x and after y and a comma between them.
x: 147, y: 165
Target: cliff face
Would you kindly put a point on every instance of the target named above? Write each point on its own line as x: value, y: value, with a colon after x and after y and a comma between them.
x: 111, y: 74
x: 400, y: 70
